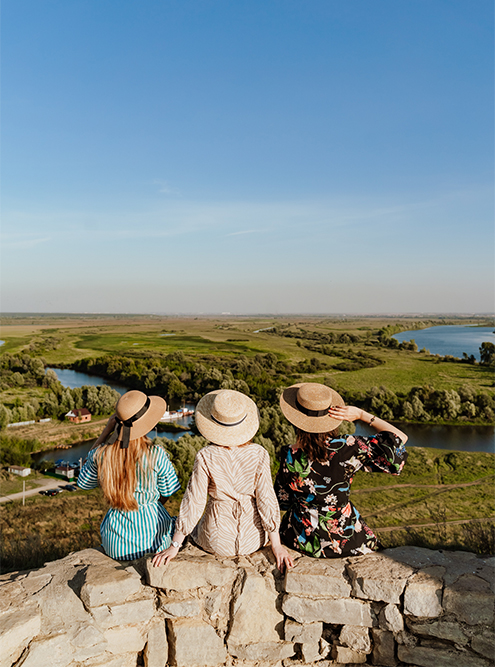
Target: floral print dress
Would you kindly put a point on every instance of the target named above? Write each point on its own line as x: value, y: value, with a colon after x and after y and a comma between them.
x: 320, y: 521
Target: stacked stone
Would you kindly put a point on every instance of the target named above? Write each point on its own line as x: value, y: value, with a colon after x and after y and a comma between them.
x: 398, y: 608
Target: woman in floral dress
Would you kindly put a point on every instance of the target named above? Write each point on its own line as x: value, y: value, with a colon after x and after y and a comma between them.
x: 315, y: 475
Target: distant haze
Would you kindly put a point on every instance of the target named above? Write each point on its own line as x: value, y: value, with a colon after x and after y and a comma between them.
x: 248, y: 157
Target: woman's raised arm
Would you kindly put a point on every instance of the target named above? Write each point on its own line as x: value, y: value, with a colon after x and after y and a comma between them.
x: 350, y: 413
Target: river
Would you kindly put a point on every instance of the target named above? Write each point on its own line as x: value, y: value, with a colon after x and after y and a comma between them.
x: 450, y: 339
x: 456, y: 438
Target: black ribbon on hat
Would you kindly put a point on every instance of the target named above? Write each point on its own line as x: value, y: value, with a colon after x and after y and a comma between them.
x: 224, y: 424
x: 124, y: 426
x: 312, y: 413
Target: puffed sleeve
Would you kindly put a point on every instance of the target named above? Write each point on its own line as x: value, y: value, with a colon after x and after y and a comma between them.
x: 382, y: 452
x: 88, y: 477
x: 195, y: 497
x: 266, y: 500
x: 167, y: 480
x: 282, y: 488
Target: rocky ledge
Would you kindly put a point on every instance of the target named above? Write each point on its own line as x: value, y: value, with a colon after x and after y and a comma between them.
x: 401, y: 607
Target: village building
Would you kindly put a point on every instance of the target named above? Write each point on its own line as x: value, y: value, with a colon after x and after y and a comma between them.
x: 65, y: 471
x: 20, y: 470
x: 79, y: 415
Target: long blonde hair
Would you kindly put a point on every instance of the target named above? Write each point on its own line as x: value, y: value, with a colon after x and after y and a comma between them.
x: 117, y: 471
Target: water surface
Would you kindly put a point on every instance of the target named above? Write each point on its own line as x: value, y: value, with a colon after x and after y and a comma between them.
x: 450, y: 339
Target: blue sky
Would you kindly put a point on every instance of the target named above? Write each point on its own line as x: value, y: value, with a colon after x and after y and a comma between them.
x: 256, y: 156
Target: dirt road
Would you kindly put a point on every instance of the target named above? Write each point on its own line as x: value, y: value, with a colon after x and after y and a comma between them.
x: 49, y: 483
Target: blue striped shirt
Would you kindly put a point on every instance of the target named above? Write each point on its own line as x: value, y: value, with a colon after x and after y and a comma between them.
x: 130, y: 535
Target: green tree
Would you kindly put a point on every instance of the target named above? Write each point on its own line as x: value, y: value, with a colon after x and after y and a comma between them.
x: 487, y: 354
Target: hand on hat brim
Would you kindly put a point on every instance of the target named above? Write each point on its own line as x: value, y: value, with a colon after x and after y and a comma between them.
x: 347, y: 413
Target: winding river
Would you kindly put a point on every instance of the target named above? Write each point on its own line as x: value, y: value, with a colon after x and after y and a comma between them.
x: 439, y: 340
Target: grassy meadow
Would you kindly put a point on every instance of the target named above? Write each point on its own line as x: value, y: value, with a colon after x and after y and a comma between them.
x: 442, y: 500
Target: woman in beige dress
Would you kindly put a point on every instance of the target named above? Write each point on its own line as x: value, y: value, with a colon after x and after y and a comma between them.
x: 231, y: 476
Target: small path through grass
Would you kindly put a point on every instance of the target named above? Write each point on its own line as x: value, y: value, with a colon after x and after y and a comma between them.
x: 423, y: 486
x: 441, y: 488
x: 455, y: 522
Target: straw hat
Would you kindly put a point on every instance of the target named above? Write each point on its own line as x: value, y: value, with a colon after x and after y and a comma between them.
x: 136, y: 414
x: 226, y: 417
x: 306, y: 406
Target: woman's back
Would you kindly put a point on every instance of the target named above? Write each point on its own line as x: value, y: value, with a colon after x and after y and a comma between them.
x: 241, y: 505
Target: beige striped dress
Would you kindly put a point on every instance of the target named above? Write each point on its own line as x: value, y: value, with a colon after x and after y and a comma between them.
x: 241, y: 507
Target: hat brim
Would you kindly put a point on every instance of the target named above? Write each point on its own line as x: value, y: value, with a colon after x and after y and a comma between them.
x: 149, y: 420
x: 288, y: 405
x: 227, y: 436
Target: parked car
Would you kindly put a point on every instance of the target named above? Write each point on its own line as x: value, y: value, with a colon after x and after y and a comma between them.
x: 69, y: 487
x: 53, y: 492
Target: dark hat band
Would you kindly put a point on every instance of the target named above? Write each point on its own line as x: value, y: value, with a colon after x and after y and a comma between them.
x: 223, y: 423
x: 312, y: 413
x: 125, y: 425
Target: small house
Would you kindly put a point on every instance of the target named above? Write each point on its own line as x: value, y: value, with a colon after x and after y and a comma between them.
x: 65, y: 471
x: 79, y: 415
x: 20, y: 470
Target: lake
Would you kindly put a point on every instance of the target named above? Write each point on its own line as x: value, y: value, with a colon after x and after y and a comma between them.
x: 450, y: 339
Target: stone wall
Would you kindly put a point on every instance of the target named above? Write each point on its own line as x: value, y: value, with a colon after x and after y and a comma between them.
x: 405, y: 606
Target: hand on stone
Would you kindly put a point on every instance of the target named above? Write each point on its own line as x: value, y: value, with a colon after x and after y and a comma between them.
x: 163, y: 557
x: 283, y: 558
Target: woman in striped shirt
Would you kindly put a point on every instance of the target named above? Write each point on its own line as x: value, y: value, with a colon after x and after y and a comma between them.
x: 231, y: 477
x: 133, y: 474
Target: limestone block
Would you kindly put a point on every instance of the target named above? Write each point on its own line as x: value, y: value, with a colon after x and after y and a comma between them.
x: 54, y: 651
x: 416, y: 557
x: 17, y: 629
x: 194, y: 642
x: 263, y: 651
x: 109, y: 660
x: 309, y: 652
x: 156, y: 651
x: 36, y: 582
x: 12, y: 594
x: 134, y: 611
x: 185, y: 575
x: 125, y: 639
x: 356, y: 637
x: 345, y: 611
x: 424, y: 656
x: 87, y: 641
x: 383, y: 648
x: 176, y: 608
x: 109, y: 586
x: 302, y: 633
x: 344, y: 655
x: 255, y: 613
x: 376, y: 577
x: 442, y: 629
x: 318, y: 579
x: 324, y: 647
x: 470, y: 599
x: 423, y: 595
x: 391, y: 619
x: 485, y: 644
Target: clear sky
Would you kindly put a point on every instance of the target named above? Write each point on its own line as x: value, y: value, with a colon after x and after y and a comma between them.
x: 247, y: 156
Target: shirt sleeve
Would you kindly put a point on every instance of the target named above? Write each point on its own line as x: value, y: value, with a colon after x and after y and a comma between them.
x: 167, y: 480
x: 266, y: 500
x: 88, y: 477
x: 194, y: 500
x: 282, y: 489
x: 382, y: 452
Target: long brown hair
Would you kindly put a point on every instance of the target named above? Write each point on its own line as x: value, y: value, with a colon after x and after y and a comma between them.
x: 314, y: 444
x: 117, y: 471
